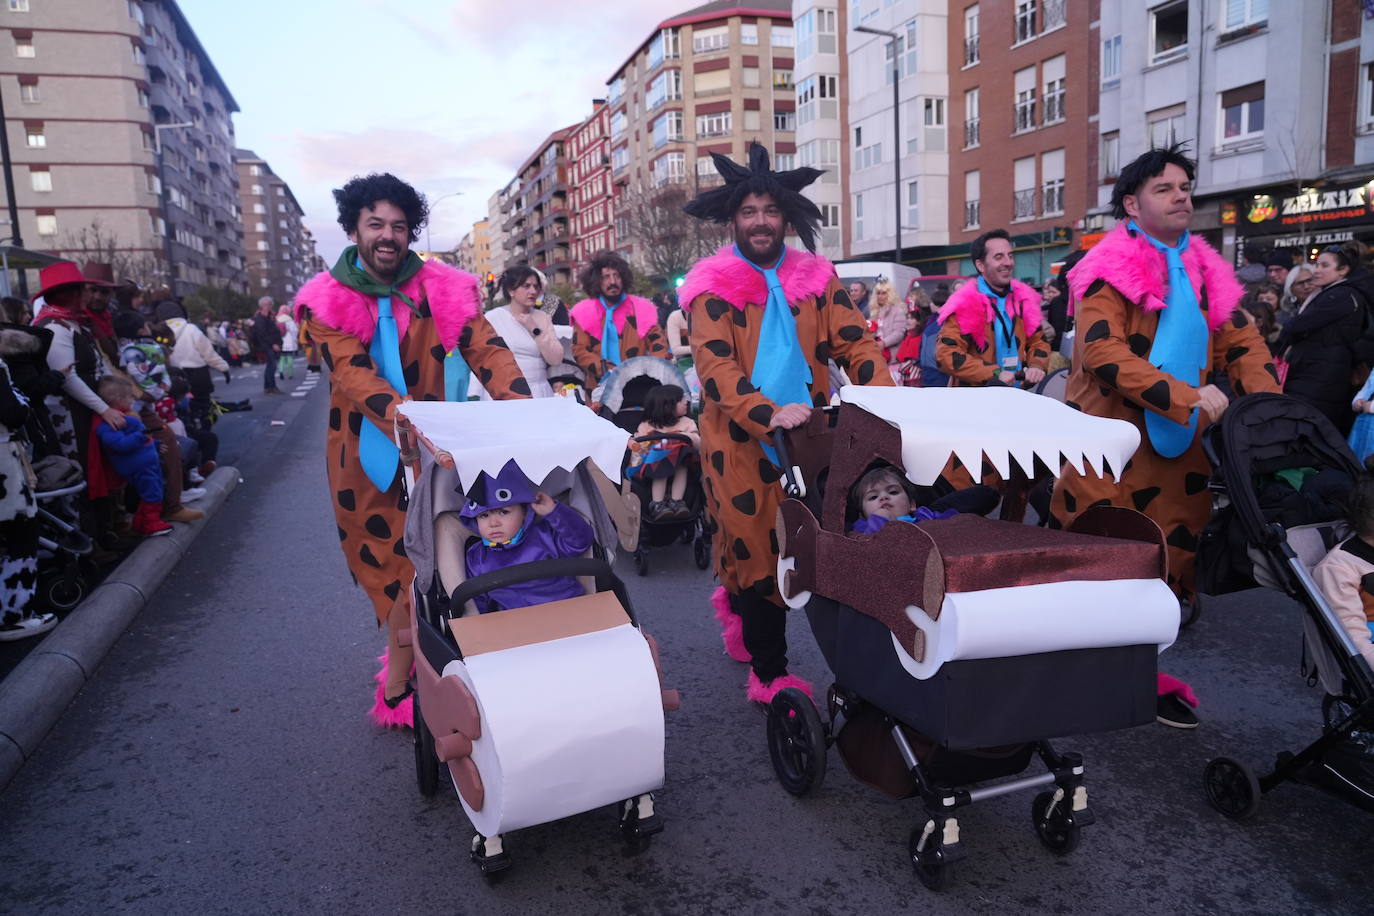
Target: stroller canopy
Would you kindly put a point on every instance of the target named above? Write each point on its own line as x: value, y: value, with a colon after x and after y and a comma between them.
x: 660, y: 370
x: 1003, y: 423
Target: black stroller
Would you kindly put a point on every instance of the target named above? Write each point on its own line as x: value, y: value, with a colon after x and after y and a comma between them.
x: 621, y: 396
x: 1280, y: 533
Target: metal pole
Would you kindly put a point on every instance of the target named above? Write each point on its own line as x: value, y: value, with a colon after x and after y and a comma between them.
x: 9, y: 192
x: 896, y: 151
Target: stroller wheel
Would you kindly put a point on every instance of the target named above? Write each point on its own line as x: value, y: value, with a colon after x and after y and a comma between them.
x: 1231, y: 788
x: 426, y: 761
x: 1336, y: 710
x: 1191, y: 611
x: 1056, y: 828
x: 701, y: 551
x: 641, y: 558
x: 931, y: 857
x: 796, y: 741
x: 63, y: 593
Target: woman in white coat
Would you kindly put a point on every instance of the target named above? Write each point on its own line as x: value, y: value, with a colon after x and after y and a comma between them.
x: 527, y: 330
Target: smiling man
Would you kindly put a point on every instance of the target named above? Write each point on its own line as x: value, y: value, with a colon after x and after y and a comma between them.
x: 766, y: 319
x: 990, y: 329
x: 1156, y: 315
x: 386, y: 324
x: 611, y: 325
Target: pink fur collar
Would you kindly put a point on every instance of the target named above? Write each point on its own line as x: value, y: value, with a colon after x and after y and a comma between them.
x: 1132, y: 267
x: 975, y: 310
x: 590, y: 315
x: 735, y: 280
x: 452, y: 294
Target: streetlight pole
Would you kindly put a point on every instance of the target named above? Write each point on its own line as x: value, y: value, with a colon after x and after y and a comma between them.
x: 432, y: 204
x: 892, y: 38
x: 9, y: 193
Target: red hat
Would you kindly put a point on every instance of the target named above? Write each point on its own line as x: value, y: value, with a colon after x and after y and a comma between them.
x: 99, y: 274
x: 55, y: 276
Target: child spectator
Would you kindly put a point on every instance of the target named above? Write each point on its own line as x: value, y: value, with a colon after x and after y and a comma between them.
x: 517, y: 524
x: 131, y: 451
x: 883, y: 495
x: 906, y: 366
x: 665, y: 460
x: 1344, y: 574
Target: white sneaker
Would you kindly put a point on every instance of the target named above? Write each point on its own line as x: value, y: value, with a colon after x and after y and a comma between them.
x: 25, y: 627
x: 195, y: 477
x: 192, y: 494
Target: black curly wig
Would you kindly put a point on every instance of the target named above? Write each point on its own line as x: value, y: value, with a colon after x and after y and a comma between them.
x: 364, y: 192
x: 719, y: 205
x: 590, y: 278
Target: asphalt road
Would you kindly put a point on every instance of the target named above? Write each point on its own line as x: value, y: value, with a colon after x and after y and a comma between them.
x: 221, y: 761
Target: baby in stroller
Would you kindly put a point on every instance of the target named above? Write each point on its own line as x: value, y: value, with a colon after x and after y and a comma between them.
x: 1346, y: 574
x: 885, y: 495
x: 665, y: 462
x: 517, y: 524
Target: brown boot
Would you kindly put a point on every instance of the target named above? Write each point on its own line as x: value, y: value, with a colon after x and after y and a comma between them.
x: 183, y: 514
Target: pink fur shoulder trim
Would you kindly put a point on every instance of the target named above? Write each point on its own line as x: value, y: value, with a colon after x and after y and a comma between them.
x: 452, y: 295
x: 975, y: 310
x: 590, y: 315
x: 733, y: 279
x: 1131, y: 266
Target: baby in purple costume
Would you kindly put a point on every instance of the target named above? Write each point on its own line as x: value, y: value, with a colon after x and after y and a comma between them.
x: 515, y: 524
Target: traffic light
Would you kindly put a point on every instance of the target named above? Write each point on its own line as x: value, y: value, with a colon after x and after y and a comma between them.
x: 678, y: 281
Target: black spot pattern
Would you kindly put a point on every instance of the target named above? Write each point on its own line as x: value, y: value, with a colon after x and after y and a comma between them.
x: 1100, y: 330
x: 762, y: 414
x: 1108, y: 373
x: 768, y: 471
x: 335, y: 419
x: 347, y: 499
x: 399, y: 548
x: 716, y: 308
x: 484, y: 375
x: 368, y: 557
x: 841, y: 299
x: 1157, y: 395
x: 392, y: 588
x: 520, y: 385
x: 1239, y: 318
x: 737, y: 433
x: 497, y: 341
x: 773, y: 540
x: 866, y: 372
x: 343, y: 535
x: 741, y: 550
x: 1236, y: 353
x: 718, y: 462
x: 1070, y: 501
x: 745, y: 502
x: 851, y: 333
x: 412, y: 373
x: 823, y: 352
x: 1273, y: 373
x: 740, y: 319
x: 1181, y: 538
x: 1143, y: 498
x: 1140, y: 344
x: 437, y: 351
x: 378, y: 403
x: 711, y: 389
x: 327, y: 356
x: 718, y: 348
x: 355, y: 422
x: 958, y: 359
x: 360, y: 360
x: 1194, y: 483
x: 465, y: 338
x: 745, y: 387
x: 377, y: 527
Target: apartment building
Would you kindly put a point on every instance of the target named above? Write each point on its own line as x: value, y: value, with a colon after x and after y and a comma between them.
x: 589, y: 155
x: 821, y: 74
x: 536, y: 217
x: 120, y: 127
x: 1274, y: 101
x: 1017, y: 162
x: 483, y: 261
x: 899, y: 187
x: 496, y: 218
x: 279, y: 249
x: 708, y: 80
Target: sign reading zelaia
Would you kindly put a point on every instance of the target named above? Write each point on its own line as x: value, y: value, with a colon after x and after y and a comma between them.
x: 1314, y: 206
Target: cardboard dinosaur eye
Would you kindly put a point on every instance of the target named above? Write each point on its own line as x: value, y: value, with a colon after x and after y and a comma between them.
x: 503, y: 495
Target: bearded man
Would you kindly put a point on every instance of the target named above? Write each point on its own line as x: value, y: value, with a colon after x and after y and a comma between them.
x: 766, y: 321
x: 610, y: 325
x: 388, y: 326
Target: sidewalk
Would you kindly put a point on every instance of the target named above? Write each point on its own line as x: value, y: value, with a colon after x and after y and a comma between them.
x: 35, y: 694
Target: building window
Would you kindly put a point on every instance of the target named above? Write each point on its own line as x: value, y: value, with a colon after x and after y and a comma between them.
x: 1237, y: 14
x: 41, y: 179
x: 706, y: 169
x: 262, y: 244
x: 830, y: 216
x: 1025, y: 100
x: 1024, y: 29
x: 970, y: 118
x: 616, y: 91
x: 142, y: 98
x: 753, y: 121
x: 973, y: 211
x: 1242, y: 112
x: 782, y: 36
x: 713, y: 125
x: 971, y: 36
x: 1367, y: 88
x: 257, y: 208
x: 257, y: 190
x: 1023, y: 195
x: 749, y: 33
x: 19, y: 6
x: 137, y: 52
x: 1111, y: 60
x: 866, y: 156
x: 35, y: 138
x: 28, y: 92
x: 666, y: 87
x: 1166, y: 126
x: 618, y: 122
x: 665, y: 46
x: 1052, y: 182
x: 1052, y: 72
x: 784, y: 120
x: 667, y: 127
x: 858, y: 217
x: 260, y: 227
x: 913, y: 210
x: 1169, y: 31
x: 1111, y: 155
x: 704, y: 41
x: 23, y: 47
x: 905, y: 49
x: 782, y: 79
x: 255, y: 170
x: 620, y: 158
x: 1053, y: 14
x: 711, y: 82
x: 47, y: 224
x: 136, y: 12
x: 749, y: 78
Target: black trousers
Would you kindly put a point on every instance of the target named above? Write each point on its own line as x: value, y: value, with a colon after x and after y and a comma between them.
x: 765, y: 633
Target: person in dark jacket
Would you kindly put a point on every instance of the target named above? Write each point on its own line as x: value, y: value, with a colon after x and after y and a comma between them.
x: 265, y: 338
x: 1320, y: 342
x: 25, y: 349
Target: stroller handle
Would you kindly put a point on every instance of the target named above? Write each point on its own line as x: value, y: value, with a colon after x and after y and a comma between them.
x: 600, y: 570
x: 675, y: 436
x: 794, y: 485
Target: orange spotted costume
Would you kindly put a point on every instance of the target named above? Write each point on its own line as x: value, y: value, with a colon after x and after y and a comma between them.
x: 636, y: 320
x: 1120, y: 289
x: 966, y: 350
x: 341, y: 321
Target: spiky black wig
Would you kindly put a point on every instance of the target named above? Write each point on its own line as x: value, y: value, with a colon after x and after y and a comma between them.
x: 719, y: 205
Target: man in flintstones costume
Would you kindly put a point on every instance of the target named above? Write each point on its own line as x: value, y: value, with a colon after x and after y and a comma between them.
x: 766, y: 319
x: 611, y: 325
x: 389, y: 326
x: 1156, y: 312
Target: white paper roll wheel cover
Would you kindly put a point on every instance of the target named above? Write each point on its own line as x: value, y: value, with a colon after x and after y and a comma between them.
x: 456, y: 723
x: 786, y: 566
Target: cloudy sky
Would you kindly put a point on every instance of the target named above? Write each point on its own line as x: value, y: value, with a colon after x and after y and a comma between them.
x: 450, y: 95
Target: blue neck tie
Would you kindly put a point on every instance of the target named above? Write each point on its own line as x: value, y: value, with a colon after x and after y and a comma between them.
x: 1004, y: 332
x: 378, y: 453
x: 1180, y: 347
x: 610, y: 337
x: 781, y: 372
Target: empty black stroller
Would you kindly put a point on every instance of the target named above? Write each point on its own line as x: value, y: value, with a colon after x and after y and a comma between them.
x: 1264, y: 445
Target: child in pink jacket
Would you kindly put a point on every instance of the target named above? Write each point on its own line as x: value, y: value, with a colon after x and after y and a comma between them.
x: 1346, y: 574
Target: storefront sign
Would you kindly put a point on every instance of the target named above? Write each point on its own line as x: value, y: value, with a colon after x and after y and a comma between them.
x: 1319, y: 239
x: 1312, y: 206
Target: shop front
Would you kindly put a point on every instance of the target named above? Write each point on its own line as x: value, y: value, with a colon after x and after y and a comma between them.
x: 1305, y: 220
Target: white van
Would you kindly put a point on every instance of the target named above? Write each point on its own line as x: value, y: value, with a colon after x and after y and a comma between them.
x: 868, y: 272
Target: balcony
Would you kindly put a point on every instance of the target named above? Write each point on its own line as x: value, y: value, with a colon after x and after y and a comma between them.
x: 1023, y: 205
x: 973, y: 214
x: 1054, y: 106
x: 971, y: 133
x: 1024, y: 118
x: 1053, y: 194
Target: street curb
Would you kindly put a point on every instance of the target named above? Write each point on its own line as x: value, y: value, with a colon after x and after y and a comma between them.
x: 37, y: 692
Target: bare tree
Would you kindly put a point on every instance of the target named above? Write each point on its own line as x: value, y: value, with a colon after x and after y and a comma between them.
x: 95, y: 243
x: 668, y: 240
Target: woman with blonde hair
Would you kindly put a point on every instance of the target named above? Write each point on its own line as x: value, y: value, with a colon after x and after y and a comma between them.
x: 887, y: 317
